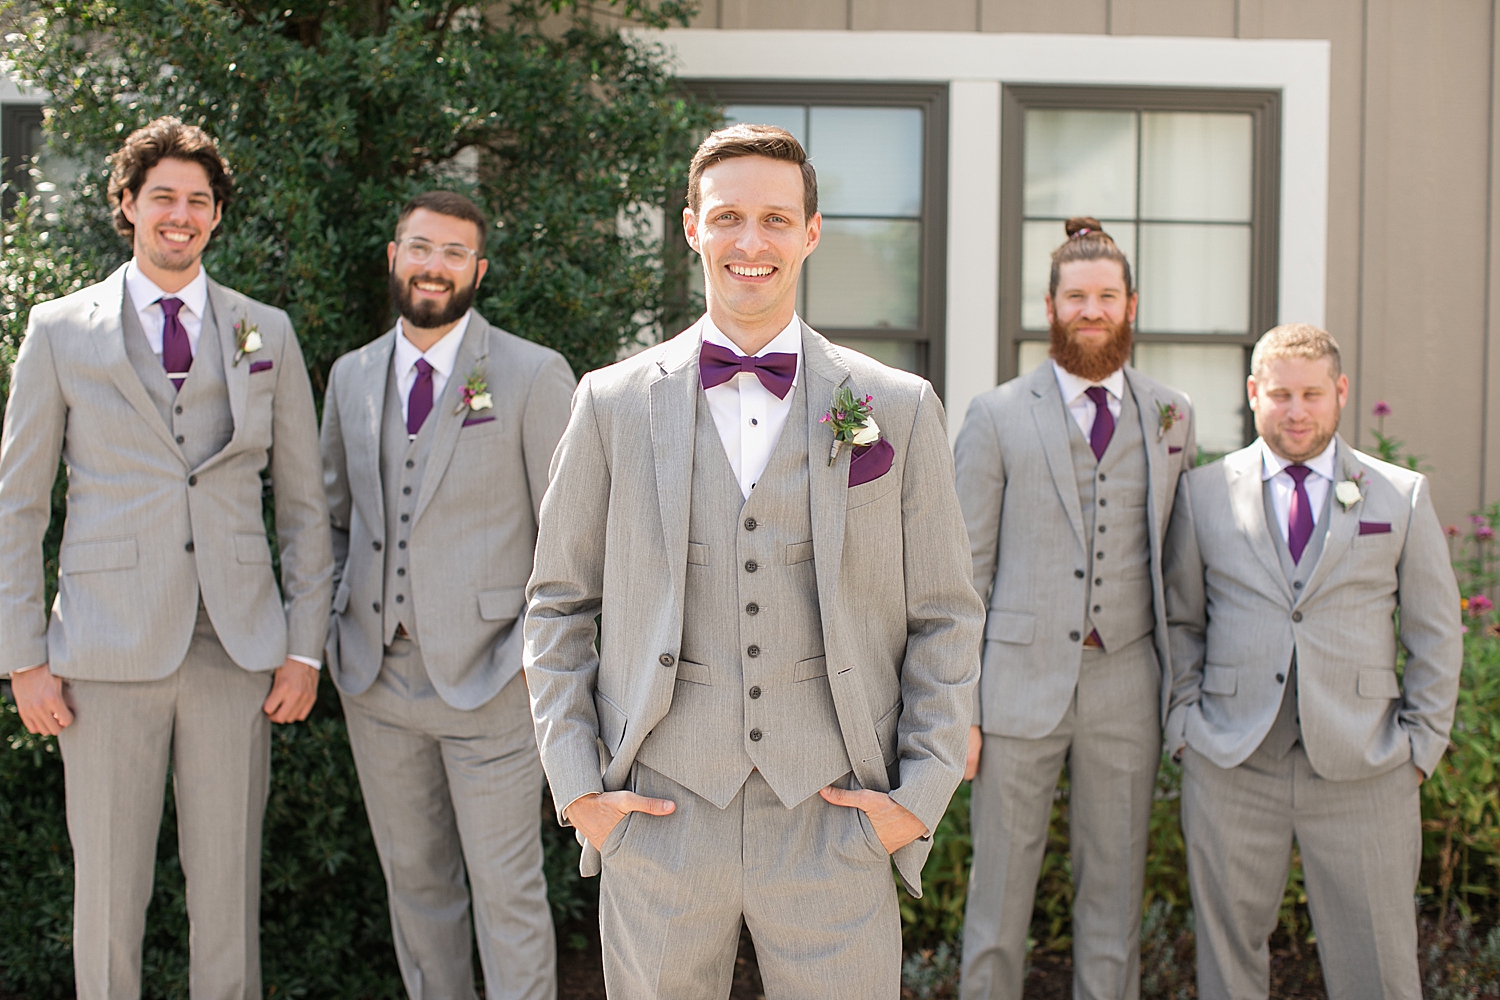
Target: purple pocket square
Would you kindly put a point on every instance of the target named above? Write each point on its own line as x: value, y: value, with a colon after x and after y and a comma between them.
x: 478, y: 419
x: 260, y: 366
x: 1374, y: 527
x: 1172, y: 449
x: 870, y: 462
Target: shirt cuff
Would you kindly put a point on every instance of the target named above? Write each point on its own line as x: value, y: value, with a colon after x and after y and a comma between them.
x: 315, y: 664
x: 22, y: 670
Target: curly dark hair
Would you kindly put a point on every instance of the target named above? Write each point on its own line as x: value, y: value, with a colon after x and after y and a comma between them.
x: 164, y: 138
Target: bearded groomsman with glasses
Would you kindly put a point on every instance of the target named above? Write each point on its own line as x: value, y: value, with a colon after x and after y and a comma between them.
x: 437, y: 437
x: 167, y: 396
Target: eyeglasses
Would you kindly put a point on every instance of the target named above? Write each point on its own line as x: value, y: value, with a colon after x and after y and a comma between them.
x: 455, y: 256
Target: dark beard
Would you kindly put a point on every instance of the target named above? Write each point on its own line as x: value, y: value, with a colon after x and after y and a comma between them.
x: 427, y: 316
x: 1092, y: 364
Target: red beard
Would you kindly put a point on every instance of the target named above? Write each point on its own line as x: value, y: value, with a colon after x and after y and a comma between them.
x: 1090, y: 363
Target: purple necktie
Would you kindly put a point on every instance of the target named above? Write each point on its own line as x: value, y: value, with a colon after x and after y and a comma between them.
x: 1299, y: 518
x: 419, y: 402
x: 176, y: 349
x: 717, y: 365
x: 1104, y: 421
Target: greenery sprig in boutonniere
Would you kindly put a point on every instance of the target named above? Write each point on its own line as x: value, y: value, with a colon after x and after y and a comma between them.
x: 852, y: 424
x: 1167, y: 416
x: 475, y: 395
x: 246, y: 340
x: 1350, y: 491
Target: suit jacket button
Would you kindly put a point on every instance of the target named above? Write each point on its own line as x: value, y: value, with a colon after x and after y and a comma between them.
x: 1296, y: 616
x: 666, y: 659
x: 753, y: 652
x: 1075, y: 636
x: 1078, y: 573
x: 377, y: 607
x: 188, y: 547
x: 377, y: 546
x: 752, y: 608
x: 1281, y: 678
x: 751, y: 524
x: 755, y: 735
x: 180, y: 439
x: 1297, y: 585
x: 755, y: 692
x: 751, y: 566
x: 192, y: 480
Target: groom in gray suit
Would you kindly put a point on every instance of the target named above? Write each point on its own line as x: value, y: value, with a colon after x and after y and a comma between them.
x: 167, y: 395
x: 436, y: 442
x: 1287, y: 562
x: 789, y: 639
x: 1067, y: 477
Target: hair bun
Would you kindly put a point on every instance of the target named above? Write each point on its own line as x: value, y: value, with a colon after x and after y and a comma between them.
x: 1083, y: 223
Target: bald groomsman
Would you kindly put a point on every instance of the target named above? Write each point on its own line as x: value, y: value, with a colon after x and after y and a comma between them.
x: 1289, y: 565
x: 1067, y: 477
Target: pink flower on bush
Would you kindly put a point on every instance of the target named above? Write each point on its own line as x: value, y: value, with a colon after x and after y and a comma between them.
x: 1477, y: 519
x: 1451, y: 531
x: 1479, y: 605
x: 1382, y: 409
x: 1484, y: 533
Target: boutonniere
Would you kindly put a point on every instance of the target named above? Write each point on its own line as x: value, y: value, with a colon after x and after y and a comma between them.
x: 246, y: 339
x: 1350, y: 491
x: 852, y: 424
x: 1167, y: 415
x: 475, y: 395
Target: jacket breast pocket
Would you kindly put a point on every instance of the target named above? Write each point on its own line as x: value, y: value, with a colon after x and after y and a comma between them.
x: 252, y: 550
x: 1014, y: 627
x: 1220, y: 680
x: 867, y: 493
x: 95, y: 557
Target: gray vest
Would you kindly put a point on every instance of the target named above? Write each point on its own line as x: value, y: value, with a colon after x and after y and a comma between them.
x: 752, y: 682
x: 1112, y: 492
x: 402, y: 461
x: 1287, y: 729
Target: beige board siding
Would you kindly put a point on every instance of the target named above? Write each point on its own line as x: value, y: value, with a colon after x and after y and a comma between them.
x: 1059, y: 17
x: 903, y: 15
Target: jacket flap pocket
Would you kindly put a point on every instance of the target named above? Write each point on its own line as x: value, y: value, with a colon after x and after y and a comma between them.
x: 612, y: 721
x: 341, y: 599
x: 252, y: 549
x: 1378, y: 683
x: 1010, y: 626
x: 91, y: 557
x: 799, y: 552
x: 697, y: 554
x: 806, y: 670
x: 696, y: 673
x: 1220, y: 680
x: 503, y: 604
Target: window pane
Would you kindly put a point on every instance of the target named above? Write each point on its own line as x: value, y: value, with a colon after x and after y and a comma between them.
x: 1195, y: 166
x: 1080, y: 163
x: 1213, y: 377
x: 869, y: 160
x: 908, y: 355
x: 1194, y: 279
x: 792, y: 117
x: 864, y: 273
x: 1038, y: 241
x: 1032, y: 355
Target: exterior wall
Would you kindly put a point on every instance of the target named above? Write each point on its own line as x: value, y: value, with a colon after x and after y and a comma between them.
x: 1412, y: 261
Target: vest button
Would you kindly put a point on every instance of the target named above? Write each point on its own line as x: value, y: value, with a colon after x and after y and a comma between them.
x: 180, y: 439
x: 1102, y: 477
x: 666, y: 659
x: 752, y: 608
x: 1098, y: 581
x: 751, y: 566
x: 755, y: 692
x: 1281, y: 678
x: 401, y: 571
x: 188, y: 547
x: 755, y: 735
x: 405, y: 518
x: 1078, y: 573
x: 377, y: 546
x: 401, y: 544
x: 1297, y: 585
x: 410, y: 464
x: 400, y: 598
x: 753, y: 652
x: 1098, y: 555
x: 177, y: 410
x: 1101, y: 529
x: 1103, y: 502
x: 1097, y: 609
x: 376, y: 605
x: 1075, y: 636
x: 1296, y: 616
x: 192, y: 480
x: 406, y: 491
x: 750, y: 524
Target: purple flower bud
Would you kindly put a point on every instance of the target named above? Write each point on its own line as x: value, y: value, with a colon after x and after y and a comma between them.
x: 1480, y: 605
x: 1484, y: 533
x: 1382, y: 409
x: 1477, y: 519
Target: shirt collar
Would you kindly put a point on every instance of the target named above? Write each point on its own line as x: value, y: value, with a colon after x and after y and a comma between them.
x: 788, y: 341
x: 442, y: 356
x: 1273, y: 465
x: 144, y: 292
x: 1072, y: 386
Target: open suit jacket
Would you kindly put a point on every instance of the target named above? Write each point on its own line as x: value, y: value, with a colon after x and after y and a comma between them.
x: 1236, y: 622
x: 144, y: 532
x: 1027, y: 536
x: 901, y: 622
x: 473, y: 530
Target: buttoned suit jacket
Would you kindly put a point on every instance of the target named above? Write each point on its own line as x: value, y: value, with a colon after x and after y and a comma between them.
x: 1235, y: 621
x: 473, y: 529
x: 900, y: 621
x: 129, y: 580
x: 1028, y: 538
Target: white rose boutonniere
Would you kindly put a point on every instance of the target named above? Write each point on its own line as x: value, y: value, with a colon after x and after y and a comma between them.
x: 1347, y: 493
x: 475, y: 395
x: 246, y: 339
x: 868, y: 434
x: 850, y: 418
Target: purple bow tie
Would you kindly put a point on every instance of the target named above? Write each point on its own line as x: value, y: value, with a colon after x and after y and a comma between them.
x: 717, y: 365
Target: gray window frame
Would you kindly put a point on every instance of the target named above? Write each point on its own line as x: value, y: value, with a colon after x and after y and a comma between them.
x: 932, y: 99
x: 1264, y: 108
x: 15, y: 123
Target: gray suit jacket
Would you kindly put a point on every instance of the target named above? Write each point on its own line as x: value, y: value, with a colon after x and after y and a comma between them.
x: 901, y: 623
x: 129, y: 582
x: 1235, y: 622
x: 1027, y: 536
x: 473, y: 531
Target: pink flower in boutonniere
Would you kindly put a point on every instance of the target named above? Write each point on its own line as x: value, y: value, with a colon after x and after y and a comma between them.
x: 1167, y: 417
x: 851, y: 420
x: 475, y: 395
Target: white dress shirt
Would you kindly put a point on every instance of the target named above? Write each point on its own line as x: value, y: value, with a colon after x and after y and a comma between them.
x: 748, y: 416
x: 442, y: 356
x: 1273, y: 468
x: 146, y: 296
x: 1074, y: 393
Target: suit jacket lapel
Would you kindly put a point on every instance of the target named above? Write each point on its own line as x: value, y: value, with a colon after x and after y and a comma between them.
x: 673, y: 405
x: 236, y: 376
x: 1342, y: 523
x: 824, y: 371
x: 1248, y: 501
x: 472, y: 353
x: 108, y: 335
x: 1156, y: 459
x: 362, y: 438
x: 1049, y: 413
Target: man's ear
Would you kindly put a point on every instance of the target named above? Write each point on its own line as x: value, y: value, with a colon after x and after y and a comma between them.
x: 690, y: 229
x: 1051, y: 314
x: 127, y: 205
x: 1250, y: 390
